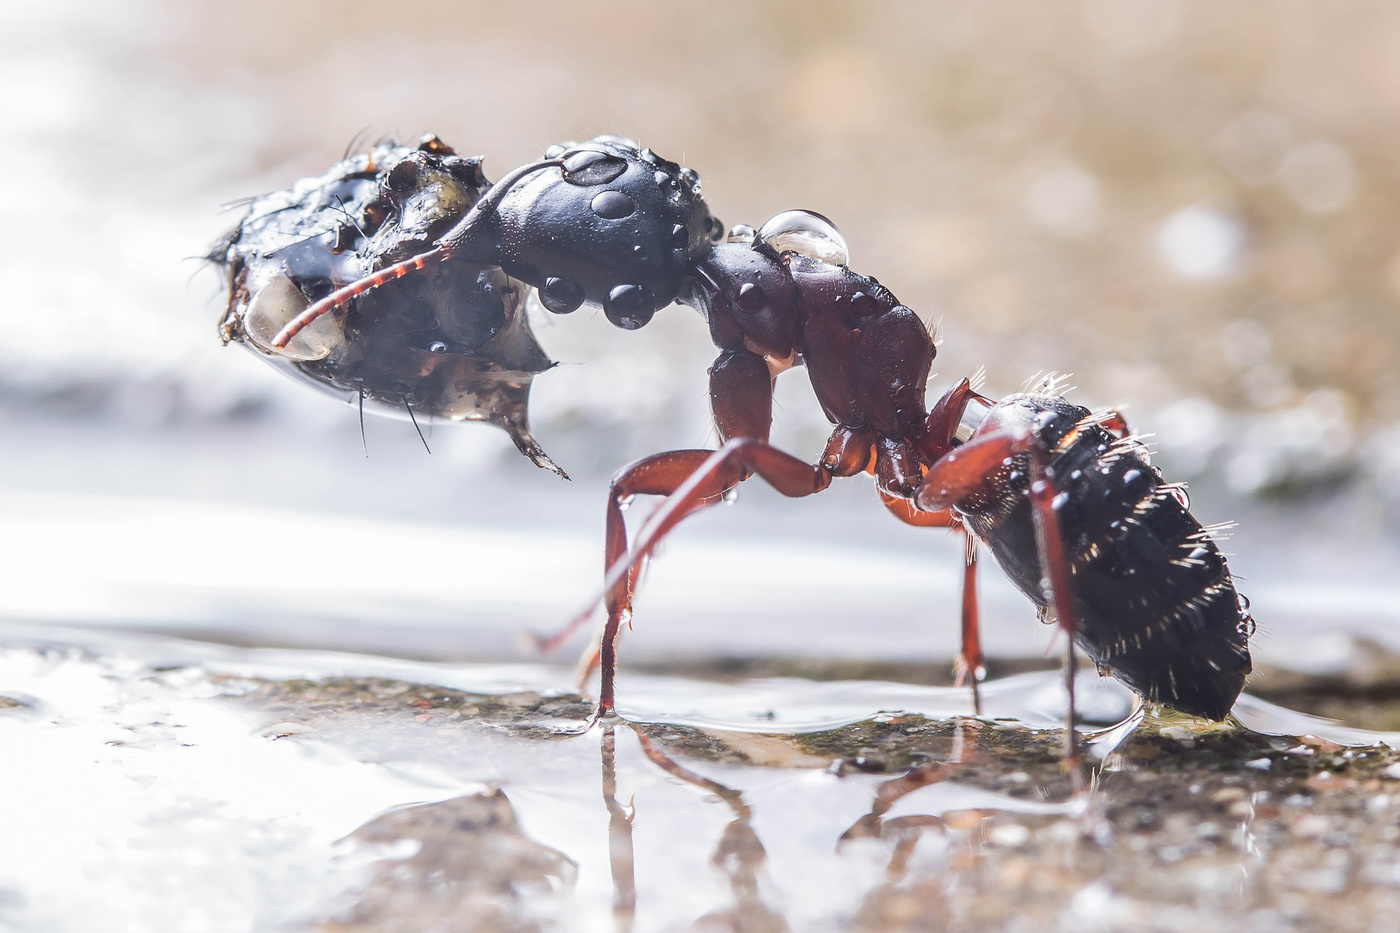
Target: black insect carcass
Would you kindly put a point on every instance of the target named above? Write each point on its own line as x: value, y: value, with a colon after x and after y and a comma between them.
x: 451, y: 344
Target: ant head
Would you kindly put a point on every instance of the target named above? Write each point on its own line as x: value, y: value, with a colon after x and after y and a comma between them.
x: 614, y: 227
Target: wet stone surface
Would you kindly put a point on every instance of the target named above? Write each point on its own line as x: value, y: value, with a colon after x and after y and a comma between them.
x: 356, y: 801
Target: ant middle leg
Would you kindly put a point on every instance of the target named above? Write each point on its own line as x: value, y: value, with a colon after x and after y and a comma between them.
x: 689, y: 487
x: 971, y: 665
x: 965, y: 470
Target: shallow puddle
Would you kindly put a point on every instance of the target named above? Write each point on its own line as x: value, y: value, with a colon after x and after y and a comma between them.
x: 165, y: 785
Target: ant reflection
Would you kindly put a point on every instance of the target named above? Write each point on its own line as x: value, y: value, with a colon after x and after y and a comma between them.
x: 739, y: 855
x: 905, y: 831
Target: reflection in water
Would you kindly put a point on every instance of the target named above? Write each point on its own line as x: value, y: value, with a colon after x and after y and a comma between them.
x: 739, y: 855
x: 620, y: 854
x: 163, y: 795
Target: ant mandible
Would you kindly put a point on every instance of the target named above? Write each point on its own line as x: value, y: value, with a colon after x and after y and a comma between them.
x: 399, y: 277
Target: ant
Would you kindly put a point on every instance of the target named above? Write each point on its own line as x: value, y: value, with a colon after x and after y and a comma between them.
x: 412, y: 296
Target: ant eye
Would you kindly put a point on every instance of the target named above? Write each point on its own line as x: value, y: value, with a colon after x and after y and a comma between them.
x: 586, y: 167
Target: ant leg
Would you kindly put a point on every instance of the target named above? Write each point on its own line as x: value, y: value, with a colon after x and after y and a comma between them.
x: 1055, y: 566
x: 741, y: 397
x: 657, y: 475
x: 705, y: 483
x: 963, y: 472
x: 620, y: 855
x: 970, y: 663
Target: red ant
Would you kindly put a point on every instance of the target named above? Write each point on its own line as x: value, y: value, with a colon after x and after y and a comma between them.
x: 1065, y: 500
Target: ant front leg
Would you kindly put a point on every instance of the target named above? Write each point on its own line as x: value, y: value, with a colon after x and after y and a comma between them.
x: 971, y: 665
x: 741, y: 397
x: 705, y: 484
x: 963, y: 472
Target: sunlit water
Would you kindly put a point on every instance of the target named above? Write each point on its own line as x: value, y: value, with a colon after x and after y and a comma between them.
x: 147, y: 792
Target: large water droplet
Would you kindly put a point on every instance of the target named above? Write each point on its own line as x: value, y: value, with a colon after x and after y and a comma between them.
x: 437, y: 346
x: 586, y: 167
x: 613, y: 205
x: 692, y: 179
x: 560, y: 295
x: 629, y: 306
x: 807, y: 234
x: 272, y: 307
x: 680, y: 237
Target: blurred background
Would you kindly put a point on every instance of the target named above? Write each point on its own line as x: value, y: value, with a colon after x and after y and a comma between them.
x: 1190, y: 206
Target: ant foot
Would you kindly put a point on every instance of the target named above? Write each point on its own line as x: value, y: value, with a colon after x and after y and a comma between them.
x: 600, y: 717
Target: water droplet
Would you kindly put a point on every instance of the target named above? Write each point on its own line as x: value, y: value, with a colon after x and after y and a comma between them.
x: 561, y: 295
x: 649, y: 157
x: 437, y: 346
x: 272, y: 307
x: 680, y: 237
x: 807, y: 234
x: 741, y: 233
x: 639, y: 252
x: 1059, y: 501
x: 555, y: 151
x: 613, y: 205
x: 587, y: 167
x: 1131, y: 475
x: 730, y: 495
x: 629, y: 306
x: 691, y: 178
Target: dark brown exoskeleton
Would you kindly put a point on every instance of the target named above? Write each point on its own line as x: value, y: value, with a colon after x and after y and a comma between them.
x: 428, y: 252
x: 1082, y: 524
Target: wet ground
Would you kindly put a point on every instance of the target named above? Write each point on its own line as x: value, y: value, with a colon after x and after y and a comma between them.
x: 182, y: 785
